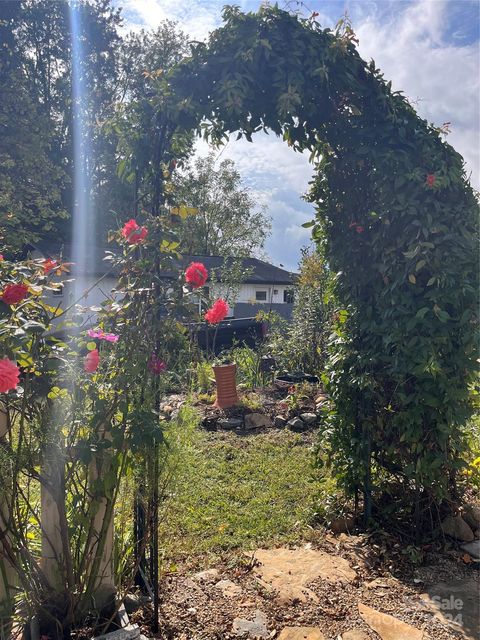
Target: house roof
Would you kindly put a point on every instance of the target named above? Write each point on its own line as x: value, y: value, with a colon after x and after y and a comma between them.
x: 259, y: 271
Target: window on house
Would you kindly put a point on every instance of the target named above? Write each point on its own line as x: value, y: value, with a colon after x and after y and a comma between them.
x: 261, y: 296
x: 288, y: 296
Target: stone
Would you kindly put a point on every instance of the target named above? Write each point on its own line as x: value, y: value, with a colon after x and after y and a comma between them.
x: 257, y: 421
x: 296, y: 424
x: 288, y: 572
x: 472, y: 516
x: 473, y: 549
x: 342, y: 524
x: 229, y: 423
x: 301, y: 633
x: 229, y: 589
x: 166, y: 408
x: 321, y: 398
x: 383, y: 583
x: 208, y: 575
x: 477, y: 534
x: 355, y: 634
x: 256, y: 628
x: 132, y: 632
x: 309, y: 418
x: 388, y: 627
x: 280, y: 422
x: 133, y: 601
x: 456, y: 604
x: 456, y: 527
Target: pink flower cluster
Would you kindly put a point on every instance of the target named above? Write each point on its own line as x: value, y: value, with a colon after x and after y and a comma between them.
x: 98, y: 334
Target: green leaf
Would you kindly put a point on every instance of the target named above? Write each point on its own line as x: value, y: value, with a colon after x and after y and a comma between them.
x: 420, y: 264
x: 421, y: 312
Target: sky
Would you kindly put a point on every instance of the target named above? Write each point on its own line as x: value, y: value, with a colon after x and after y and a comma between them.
x: 429, y: 49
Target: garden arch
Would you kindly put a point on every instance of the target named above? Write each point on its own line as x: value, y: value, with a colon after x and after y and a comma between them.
x: 396, y: 218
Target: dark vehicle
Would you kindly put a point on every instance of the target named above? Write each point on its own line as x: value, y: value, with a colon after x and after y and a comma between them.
x: 217, y: 338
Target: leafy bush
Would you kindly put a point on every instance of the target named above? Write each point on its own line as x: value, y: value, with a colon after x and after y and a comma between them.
x: 302, y: 344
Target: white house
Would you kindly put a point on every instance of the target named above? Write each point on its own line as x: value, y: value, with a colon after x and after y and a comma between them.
x: 265, y: 286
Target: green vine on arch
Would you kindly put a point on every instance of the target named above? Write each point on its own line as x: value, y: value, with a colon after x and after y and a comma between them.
x: 396, y: 218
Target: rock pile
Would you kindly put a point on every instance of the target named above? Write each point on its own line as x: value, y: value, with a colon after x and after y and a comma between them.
x: 465, y: 526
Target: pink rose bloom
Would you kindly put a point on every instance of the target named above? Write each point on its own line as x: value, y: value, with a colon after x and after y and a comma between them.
x: 91, y: 362
x: 9, y: 375
x: 430, y: 179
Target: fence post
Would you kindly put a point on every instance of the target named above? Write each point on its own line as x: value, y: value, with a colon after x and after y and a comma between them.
x: 8, y: 577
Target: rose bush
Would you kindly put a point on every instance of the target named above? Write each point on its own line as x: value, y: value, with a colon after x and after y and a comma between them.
x: 83, y: 407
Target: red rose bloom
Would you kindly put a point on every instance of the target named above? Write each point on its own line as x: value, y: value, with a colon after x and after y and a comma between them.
x: 359, y: 228
x: 430, y: 180
x: 48, y: 265
x: 196, y: 274
x: 14, y: 293
x: 91, y: 362
x: 9, y: 375
x: 217, y: 312
x: 133, y: 233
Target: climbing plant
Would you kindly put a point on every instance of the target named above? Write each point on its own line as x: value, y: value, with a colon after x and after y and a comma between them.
x: 396, y: 218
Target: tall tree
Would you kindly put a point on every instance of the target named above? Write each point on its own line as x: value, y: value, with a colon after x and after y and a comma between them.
x: 149, y: 139
x: 31, y: 183
x: 229, y: 221
x: 37, y: 111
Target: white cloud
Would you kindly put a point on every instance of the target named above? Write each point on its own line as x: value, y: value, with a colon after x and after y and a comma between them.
x: 443, y: 80
x: 196, y: 17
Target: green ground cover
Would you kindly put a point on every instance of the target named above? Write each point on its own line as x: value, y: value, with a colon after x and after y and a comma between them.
x: 236, y: 492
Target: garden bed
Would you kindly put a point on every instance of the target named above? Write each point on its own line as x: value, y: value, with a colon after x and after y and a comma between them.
x: 298, y: 408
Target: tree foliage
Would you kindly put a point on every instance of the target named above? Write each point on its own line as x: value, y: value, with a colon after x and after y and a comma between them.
x: 302, y: 344
x: 228, y: 222
x: 397, y: 220
x: 30, y: 182
x: 150, y: 143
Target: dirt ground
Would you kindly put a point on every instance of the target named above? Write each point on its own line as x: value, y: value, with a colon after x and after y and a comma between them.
x: 195, y: 609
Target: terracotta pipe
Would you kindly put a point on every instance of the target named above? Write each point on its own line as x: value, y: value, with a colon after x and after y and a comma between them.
x: 226, y: 385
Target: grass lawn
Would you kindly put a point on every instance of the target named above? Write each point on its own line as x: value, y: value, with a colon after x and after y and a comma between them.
x: 228, y: 491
